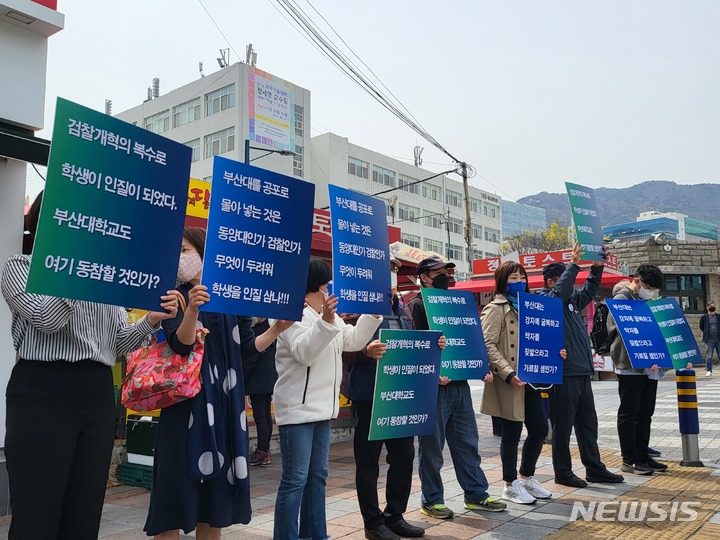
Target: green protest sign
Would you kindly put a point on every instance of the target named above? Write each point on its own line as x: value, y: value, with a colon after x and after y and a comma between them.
x: 588, y: 227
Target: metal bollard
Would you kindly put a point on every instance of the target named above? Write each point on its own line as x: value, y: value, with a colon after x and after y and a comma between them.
x: 688, y: 416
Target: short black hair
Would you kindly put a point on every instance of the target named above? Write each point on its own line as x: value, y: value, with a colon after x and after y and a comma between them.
x: 650, y: 275
x: 319, y: 273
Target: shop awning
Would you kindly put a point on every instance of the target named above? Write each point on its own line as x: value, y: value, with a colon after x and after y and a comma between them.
x: 536, y: 282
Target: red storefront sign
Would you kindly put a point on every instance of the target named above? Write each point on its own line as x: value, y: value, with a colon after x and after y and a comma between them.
x: 52, y: 4
x: 536, y: 261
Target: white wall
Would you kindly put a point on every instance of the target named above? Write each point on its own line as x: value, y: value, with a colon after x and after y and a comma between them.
x: 12, y: 178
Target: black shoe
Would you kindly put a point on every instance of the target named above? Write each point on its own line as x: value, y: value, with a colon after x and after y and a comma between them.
x: 655, y: 465
x: 571, y: 481
x: 381, y: 532
x: 606, y: 477
x: 403, y: 528
x: 636, y: 468
x: 653, y: 453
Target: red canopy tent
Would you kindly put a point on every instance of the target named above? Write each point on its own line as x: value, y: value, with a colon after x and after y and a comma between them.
x: 535, y: 282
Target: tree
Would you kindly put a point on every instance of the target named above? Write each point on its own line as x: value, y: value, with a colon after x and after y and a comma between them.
x: 554, y: 238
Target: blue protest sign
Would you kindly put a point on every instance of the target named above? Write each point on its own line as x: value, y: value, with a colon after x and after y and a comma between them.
x: 455, y: 314
x: 360, y: 252
x: 406, y: 385
x: 113, y: 211
x: 258, y: 243
x: 540, y: 339
x: 640, y: 333
x: 588, y: 227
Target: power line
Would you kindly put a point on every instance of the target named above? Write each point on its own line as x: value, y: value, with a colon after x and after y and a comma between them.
x: 219, y: 30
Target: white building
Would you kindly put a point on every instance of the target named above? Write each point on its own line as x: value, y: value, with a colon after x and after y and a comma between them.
x: 431, y: 214
x: 217, y: 113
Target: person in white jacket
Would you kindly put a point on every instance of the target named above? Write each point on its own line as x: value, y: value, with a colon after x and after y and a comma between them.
x: 309, y: 365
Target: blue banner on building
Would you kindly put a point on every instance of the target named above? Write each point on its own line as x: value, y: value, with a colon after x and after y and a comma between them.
x: 540, y: 339
x: 258, y: 243
x: 360, y: 252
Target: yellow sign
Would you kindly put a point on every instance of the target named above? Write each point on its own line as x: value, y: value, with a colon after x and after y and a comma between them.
x: 198, y: 204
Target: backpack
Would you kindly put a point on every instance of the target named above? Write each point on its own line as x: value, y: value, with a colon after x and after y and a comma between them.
x: 599, y: 335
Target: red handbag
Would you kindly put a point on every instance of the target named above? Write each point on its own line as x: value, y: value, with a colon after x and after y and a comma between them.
x: 157, y: 377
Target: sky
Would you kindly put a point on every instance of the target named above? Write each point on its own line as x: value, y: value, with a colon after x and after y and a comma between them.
x: 531, y: 94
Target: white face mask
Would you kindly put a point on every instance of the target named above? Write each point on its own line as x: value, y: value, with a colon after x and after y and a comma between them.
x: 189, y: 267
x: 646, y: 294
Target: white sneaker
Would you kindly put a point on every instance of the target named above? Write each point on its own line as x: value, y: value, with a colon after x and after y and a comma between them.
x: 708, y: 373
x: 517, y: 493
x: 535, y: 489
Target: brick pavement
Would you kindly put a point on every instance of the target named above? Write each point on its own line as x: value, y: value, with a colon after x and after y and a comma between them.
x: 126, y: 507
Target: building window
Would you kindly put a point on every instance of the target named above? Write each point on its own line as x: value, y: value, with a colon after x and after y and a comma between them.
x: 432, y: 245
x: 475, y: 205
x: 383, y: 176
x: 455, y: 225
x: 492, y: 210
x: 358, y: 167
x: 455, y: 252
x: 219, y: 100
x: 186, y: 112
x: 158, y: 123
x: 404, y: 182
x: 477, y: 232
x: 453, y: 198
x: 411, y: 240
x: 299, y: 126
x: 433, y: 219
x: 220, y: 142
x: 688, y: 289
x: 409, y: 213
x: 432, y: 192
x: 492, y: 235
x: 298, y: 161
x: 195, y: 145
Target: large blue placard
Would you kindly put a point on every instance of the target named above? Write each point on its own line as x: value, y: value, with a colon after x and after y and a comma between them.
x: 679, y: 338
x: 455, y: 314
x: 360, y: 252
x: 640, y: 333
x: 540, y: 339
x: 258, y: 244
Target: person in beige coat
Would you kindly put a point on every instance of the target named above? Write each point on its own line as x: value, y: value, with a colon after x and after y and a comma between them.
x: 507, y: 397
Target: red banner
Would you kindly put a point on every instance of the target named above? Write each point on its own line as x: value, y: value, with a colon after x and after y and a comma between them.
x: 52, y: 4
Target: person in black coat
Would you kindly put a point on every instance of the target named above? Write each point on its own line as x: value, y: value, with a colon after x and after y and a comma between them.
x: 260, y: 378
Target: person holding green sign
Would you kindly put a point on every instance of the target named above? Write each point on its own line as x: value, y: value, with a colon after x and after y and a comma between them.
x: 455, y: 422
x: 61, y: 406
x: 508, y: 397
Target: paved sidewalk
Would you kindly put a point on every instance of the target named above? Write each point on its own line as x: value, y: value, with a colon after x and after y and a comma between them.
x: 126, y: 507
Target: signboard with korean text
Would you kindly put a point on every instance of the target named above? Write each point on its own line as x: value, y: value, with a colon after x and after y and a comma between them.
x: 113, y: 211
x: 360, y: 252
x: 540, y: 339
x: 537, y: 261
x: 583, y: 207
x: 455, y: 314
x: 406, y: 385
x: 198, y: 202
x: 258, y: 244
x: 640, y: 333
x: 271, y: 108
x: 679, y: 338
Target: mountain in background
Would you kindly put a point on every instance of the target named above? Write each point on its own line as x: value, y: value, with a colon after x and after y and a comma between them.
x: 699, y: 201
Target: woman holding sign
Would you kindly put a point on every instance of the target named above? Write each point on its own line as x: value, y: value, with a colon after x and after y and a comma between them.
x: 309, y: 365
x: 508, y: 397
x: 200, y: 474
x: 60, y: 404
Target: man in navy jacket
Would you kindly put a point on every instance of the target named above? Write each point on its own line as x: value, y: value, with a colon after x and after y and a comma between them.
x: 572, y: 403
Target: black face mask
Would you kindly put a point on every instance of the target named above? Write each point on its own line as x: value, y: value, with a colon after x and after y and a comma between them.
x: 711, y: 310
x: 441, y: 281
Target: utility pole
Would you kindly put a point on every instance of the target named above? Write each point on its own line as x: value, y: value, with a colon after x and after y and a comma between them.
x: 468, y: 223
x: 447, y: 228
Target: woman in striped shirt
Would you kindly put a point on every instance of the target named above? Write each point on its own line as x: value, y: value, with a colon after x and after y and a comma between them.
x: 60, y: 405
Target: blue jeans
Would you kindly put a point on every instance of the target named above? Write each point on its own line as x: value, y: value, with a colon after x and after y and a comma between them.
x: 455, y: 421
x: 712, y: 345
x: 304, y: 449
